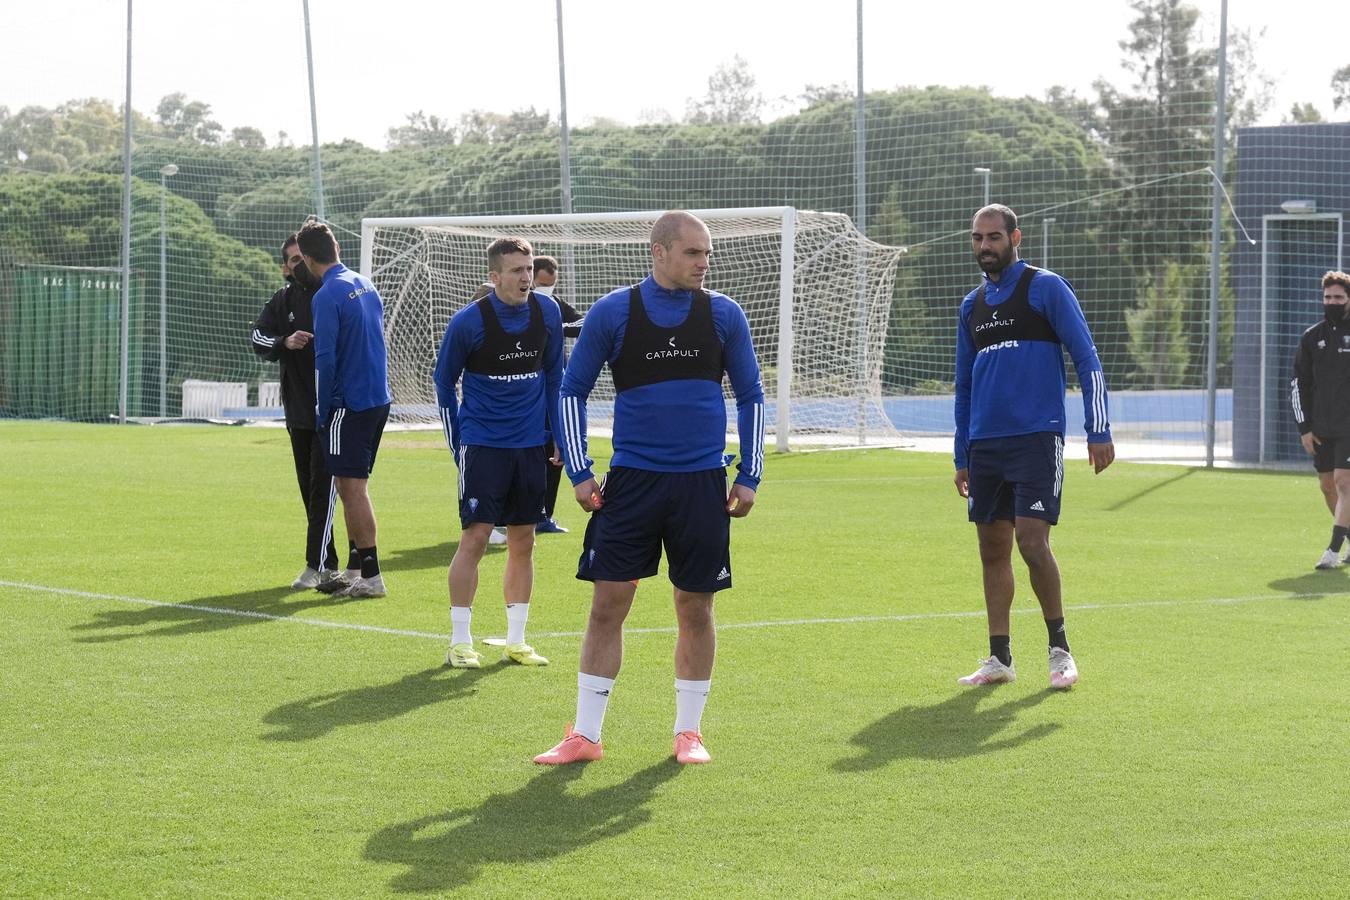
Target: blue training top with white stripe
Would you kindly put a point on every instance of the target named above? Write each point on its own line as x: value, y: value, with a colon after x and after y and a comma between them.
x: 498, y: 410
x: 349, y: 353
x: 668, y: 426
x: 1017, y: 387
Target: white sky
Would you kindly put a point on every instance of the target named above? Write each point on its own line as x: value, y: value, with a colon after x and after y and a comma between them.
x: 377, y: 61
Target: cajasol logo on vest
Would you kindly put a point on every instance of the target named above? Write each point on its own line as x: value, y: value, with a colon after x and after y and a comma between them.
x: 671, y: 352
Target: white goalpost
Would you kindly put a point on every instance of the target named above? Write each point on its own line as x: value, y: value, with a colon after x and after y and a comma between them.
x: 817, y: 293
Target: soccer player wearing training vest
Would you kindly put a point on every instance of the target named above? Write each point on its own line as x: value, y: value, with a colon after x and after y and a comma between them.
x: 667, y: 342
x: 351, y: 369
x: 1322, y: 407
x: 1010, y: 423
x: 508, y: 348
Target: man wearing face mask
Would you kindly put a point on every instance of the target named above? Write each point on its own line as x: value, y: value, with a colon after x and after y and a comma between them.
x: 284, y: 333
x: 1322, y: 407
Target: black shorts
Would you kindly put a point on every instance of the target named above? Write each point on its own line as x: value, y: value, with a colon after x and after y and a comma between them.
x: 1016, y: 476
x: 684, y: 511
x: 1331, y: 454
x: 351, y: 440
x: 502, y: 485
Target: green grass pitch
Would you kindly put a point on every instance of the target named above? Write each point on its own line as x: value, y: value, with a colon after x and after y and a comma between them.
x: 181, y: 750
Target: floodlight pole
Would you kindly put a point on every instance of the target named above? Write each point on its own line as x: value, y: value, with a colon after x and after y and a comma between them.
x: 165, y: 172
x: 860, y: 221
x: 314, y: 120
x: 562, y: 118
x: 565, y: 161
x: 984, y: 172
x: 1216, y: 245
x: 125, y: 336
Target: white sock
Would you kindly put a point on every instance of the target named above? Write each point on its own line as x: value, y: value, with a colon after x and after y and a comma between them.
x: 690, y: 698
x: 460, y: 616
x: 516, y: 616
x: 592, y: 698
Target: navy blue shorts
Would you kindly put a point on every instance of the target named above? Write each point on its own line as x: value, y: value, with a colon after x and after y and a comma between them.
x: 1016, y: 476
x: 685, y: 511
x: 502, y: 485
x: 351, y: 440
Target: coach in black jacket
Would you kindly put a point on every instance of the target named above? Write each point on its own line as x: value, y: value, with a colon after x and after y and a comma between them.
x: 1320, y: 392
x: 284, y: 332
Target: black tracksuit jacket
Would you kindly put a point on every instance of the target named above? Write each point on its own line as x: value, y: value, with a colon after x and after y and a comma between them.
x: 1320, y: 389
x: 290, y: 310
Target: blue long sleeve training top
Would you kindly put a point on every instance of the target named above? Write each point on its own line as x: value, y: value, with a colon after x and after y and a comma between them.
x: 1017, y: 387
x: 669, y: 426
x: 498, y: 410
x: 349, y: 352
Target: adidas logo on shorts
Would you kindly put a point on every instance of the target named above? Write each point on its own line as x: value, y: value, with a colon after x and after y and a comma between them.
x: 1038, y: 506
x: 723, y: 575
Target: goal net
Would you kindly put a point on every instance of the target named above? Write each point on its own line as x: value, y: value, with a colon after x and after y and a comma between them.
x: 817, y: 293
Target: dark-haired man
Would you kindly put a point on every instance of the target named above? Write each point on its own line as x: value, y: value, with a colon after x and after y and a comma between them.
x: 284, y: 333
x: 351, y: 368
x: 1322, y: 407
x: 1010, y: 423
x: 668, y: 343
x: 507, y: 346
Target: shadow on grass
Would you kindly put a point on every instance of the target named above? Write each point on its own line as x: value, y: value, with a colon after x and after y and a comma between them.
x: 1314, y: 585
x: 203, y: 614
x: 437, y: 556
x: 1161, y: 485
x: 953, y: 729
x: 541, y: 821
x: 314, y: 717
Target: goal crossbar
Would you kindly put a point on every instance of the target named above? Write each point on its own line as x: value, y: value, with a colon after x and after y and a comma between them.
x: 391, y: 261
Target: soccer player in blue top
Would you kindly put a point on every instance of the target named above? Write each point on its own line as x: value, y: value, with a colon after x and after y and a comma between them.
x: 351, y: 370
x: 1010, y: 422
x: 667, y: 343
x: 507, y: 346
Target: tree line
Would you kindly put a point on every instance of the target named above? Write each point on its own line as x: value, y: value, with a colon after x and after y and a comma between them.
x: 1121, y: 174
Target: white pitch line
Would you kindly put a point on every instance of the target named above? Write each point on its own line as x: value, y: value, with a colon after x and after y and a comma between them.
x: 773, y: 623
x: 223, y: 611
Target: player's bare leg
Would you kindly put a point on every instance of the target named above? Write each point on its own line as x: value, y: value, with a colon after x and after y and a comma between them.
x: 601, y: 658
x: 696, y: 642
x: 602, y: 646
x: 357, y: 512
x: 1327, y: 482
x: 517, y: 586
x: 1339, y: 501
x: 996, y: 541
x: 1033, y: 542
x: 695, y: 651
x: 462, y: 582
x: 359, y: 515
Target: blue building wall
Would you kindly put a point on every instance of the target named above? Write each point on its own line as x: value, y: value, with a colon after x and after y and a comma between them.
x: 1274, y: 165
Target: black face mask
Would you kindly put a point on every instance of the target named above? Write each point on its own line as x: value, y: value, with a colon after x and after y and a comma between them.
x: 1334, y: 312
x: 301, y: 275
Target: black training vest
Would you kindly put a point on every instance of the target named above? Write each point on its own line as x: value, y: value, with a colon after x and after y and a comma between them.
x: 651, y: 354
x: 1011, y: 320
x: 508, y: 354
